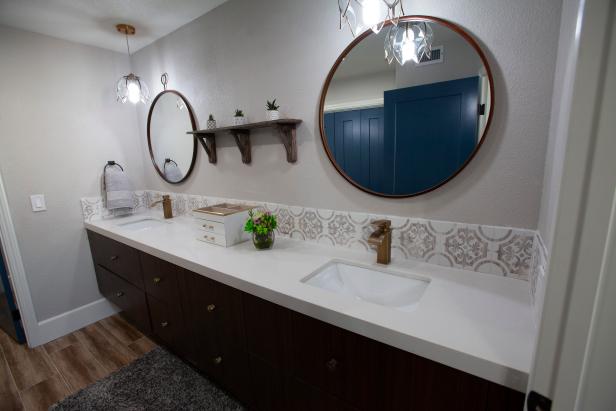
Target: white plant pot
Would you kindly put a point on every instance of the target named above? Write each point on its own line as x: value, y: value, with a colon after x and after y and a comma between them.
x: 211, y: 124
x: 272, y: 115
x: 239, y: 121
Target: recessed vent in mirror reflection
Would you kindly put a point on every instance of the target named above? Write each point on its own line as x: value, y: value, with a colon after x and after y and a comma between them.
x: 400, y: 130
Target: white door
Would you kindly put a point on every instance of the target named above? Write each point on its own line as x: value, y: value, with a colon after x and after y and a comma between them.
x: 575, y: 359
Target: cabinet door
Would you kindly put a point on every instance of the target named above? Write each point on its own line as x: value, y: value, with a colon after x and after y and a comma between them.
x: 303, y: 397
x: 421, y: 384
x: 267, y: 384
x: 215, y: 310
x: 168, y: 324
x: 265, y: 323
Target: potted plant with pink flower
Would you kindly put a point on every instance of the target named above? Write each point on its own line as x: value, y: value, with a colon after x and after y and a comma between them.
x: 262, y: 225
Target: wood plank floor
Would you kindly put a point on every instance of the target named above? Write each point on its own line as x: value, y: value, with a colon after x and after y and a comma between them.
x: 35, y: 378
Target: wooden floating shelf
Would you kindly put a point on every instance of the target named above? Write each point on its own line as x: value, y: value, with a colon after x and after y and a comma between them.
x: 286, y: 128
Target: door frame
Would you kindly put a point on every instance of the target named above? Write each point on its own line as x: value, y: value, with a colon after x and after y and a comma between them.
x: 16, y: 270
x: 581, y: 250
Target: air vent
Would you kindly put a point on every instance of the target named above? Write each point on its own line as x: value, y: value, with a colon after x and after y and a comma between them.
x: 436, y: 56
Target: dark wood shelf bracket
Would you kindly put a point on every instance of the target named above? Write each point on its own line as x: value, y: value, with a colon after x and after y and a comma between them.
x: 242, y: 139
x: 208, y: 141
x: 287, y: 134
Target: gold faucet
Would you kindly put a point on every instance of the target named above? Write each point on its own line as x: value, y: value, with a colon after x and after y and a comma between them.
x: 167, y: 210
x: 381, y: 239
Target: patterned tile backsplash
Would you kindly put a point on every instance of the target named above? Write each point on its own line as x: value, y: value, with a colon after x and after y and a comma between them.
x: 494, y: 250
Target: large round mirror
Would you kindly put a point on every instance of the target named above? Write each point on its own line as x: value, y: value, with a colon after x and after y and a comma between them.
x: 403, y: 111
x: 173, y: 152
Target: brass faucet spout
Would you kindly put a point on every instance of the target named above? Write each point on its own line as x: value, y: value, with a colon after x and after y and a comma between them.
x: 381, y: 240
x: 167, y: 209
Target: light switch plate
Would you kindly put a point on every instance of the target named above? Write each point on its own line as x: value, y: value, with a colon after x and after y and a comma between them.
x: 38, y: 202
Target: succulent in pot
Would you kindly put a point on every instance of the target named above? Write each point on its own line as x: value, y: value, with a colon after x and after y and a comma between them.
x: 272, y: 110
x: 211, y: 122
x: 262, y: 225
x: 238, y: 118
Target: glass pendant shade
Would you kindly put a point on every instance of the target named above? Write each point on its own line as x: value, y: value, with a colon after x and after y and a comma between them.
x: 408, y: 42
x: 359, y: 15
x: 132, y: 89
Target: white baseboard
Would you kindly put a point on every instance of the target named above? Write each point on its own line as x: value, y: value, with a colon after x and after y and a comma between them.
x: 66, y: 323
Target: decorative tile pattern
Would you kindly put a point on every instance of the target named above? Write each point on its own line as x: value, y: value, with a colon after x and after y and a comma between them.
x: 417, y: 240
x: 466, y: 247
x: 487, y: 249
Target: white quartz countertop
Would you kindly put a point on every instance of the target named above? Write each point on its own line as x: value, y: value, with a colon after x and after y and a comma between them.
x: 478, y: 323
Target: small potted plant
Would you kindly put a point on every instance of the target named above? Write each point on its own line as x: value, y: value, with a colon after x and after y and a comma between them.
x: 272, y: 110
x: 262, y: 225
x: 238, y: 118
x: 211, y: 122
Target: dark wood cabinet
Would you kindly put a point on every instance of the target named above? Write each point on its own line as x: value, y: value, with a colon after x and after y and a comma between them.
x: 273, y: 358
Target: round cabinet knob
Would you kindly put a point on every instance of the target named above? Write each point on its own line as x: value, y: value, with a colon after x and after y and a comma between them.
x: 332, y: 365
x: 114, y: 257
x: 211, y: 307
x: 156, y: 280
x: 217, y: 360
x: 164, y: 324
x: 119, y: 294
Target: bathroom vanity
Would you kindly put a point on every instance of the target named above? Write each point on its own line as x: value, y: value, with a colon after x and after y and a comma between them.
x: 276, y: 349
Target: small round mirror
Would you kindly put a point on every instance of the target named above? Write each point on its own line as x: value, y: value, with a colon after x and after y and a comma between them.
x: 403, y: 111
x: 172, y: 151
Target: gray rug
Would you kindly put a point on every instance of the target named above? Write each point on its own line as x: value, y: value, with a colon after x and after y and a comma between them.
x: 157, y: 381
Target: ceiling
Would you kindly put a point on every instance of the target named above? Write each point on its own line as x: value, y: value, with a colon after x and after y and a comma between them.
x: 92, y: 22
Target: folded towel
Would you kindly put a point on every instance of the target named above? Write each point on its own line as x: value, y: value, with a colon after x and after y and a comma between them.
x: 172, y: 172
x: 118, y: 190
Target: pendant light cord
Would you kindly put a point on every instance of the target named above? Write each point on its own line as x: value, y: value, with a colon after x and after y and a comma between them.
x: 127, y: 46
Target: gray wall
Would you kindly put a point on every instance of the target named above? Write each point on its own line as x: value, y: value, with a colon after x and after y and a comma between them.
x: 561, y: 108
x: 245, y: 52
x: 59, y: 123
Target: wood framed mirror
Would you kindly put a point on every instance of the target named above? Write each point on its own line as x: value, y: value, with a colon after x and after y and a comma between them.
x: 172, y: 151
x: 405, y: 126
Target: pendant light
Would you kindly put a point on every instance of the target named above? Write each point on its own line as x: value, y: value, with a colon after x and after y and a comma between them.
x: 130, y: 87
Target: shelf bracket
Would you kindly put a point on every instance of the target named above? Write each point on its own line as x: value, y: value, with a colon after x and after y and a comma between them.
x: 289, y: 139
x: 208, y: 141
x: 242, y: 139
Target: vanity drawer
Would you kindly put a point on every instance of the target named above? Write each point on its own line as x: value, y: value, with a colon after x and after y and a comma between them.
x: 213, y: 238
x: 210, y: 226
x: 160, y: 278
x: 116, y: 257
x: 129, y: 298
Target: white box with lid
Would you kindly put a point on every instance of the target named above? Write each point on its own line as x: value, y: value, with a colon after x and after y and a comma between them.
x: 222, y: 224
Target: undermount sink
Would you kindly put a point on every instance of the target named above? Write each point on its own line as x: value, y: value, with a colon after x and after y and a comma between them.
x: 375, y: 285
x: 143, y: 223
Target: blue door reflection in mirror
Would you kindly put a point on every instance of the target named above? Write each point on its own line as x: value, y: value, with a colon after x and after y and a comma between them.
x: 357, y: 142
x: 399, y: 130
x: 430, y: 131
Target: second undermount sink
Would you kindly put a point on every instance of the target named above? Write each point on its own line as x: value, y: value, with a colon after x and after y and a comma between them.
x: 375, y: 285
x: 143, y: 223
